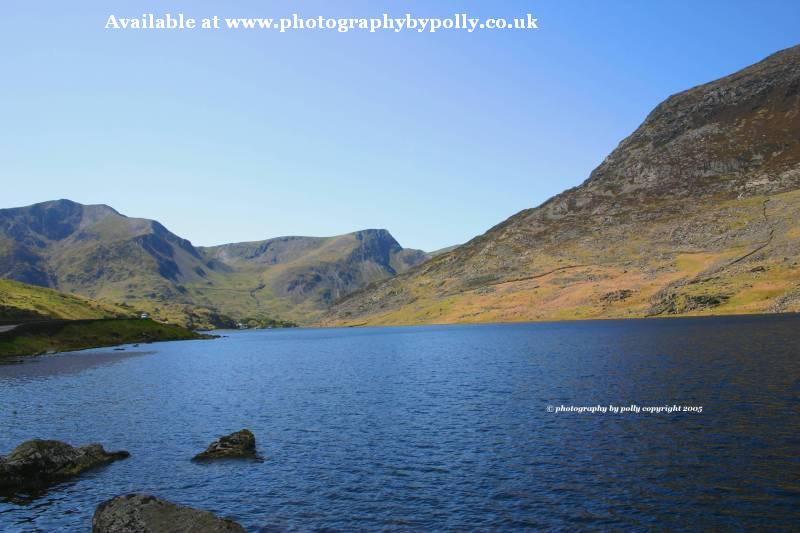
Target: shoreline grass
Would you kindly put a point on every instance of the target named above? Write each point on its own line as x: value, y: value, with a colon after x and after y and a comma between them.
x: 35, y: 338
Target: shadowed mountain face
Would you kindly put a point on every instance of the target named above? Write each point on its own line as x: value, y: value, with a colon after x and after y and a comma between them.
x: 93, y: 250
x: 97, y: 252
x: 300, y: 276
x: 694, y: 213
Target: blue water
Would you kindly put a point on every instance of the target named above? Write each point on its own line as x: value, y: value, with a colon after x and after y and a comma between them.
x: 441, y: 427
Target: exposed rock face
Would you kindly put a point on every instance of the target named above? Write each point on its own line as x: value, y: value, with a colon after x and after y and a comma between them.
x: 94, y: 251
x: 312, y: 272
x: 66, y: 245
x: 36, y: 463
x: 142, y: 513
x: 705, y: 190
x: 239, y: 445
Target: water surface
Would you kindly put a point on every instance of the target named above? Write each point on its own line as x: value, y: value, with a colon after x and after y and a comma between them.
x: 439, y: 427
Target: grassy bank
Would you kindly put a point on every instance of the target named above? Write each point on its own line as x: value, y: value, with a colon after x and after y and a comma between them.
x: 62, y: 336
x: 19, y: 301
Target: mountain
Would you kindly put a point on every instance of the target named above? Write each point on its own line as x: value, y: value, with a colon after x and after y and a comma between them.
x: 695, y: 213
x: 441, y: 251
x: 94, y: 251
x: 297, y: 277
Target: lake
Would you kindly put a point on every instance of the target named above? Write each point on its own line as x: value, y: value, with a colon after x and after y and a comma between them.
x: 434, y: 427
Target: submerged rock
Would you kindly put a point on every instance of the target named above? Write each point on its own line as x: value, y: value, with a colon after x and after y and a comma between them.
x: 239, y: 445
x: 36, y: 463
x: 143, y: 513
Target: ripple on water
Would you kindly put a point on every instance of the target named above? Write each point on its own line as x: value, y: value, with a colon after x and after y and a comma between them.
x: 433, y: 427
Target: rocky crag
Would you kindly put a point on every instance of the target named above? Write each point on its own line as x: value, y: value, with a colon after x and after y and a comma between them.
x: 98, y: 253
x: 695, y: 213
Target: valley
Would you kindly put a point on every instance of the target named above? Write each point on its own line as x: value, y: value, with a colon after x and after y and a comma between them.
x: 98, y: 253
x: 693, y: 214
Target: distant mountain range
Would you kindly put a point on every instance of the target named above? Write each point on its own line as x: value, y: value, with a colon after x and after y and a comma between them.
x: 695, y: 213
x: 94, y: 251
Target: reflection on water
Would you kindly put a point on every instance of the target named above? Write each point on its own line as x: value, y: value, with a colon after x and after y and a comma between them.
x: 435, y: 427
x: 44, y: 366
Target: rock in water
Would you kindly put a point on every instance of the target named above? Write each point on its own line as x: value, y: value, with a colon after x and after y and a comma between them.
x: 241, y: 444
x: 142, y: 513
x: 36, y: 463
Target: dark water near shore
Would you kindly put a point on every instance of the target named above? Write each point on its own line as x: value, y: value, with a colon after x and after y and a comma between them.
x: 434, y: 427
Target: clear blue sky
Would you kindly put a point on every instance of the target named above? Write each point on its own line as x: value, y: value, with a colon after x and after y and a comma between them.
x: 243, y: 136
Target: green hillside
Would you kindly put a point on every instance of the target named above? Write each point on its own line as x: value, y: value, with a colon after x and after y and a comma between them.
x: 37, y: 320
x: 20, y: 301
x: 62, y: 336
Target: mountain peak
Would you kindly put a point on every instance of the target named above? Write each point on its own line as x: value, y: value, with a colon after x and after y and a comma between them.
x: 735, y: 136
x: 95, y: 251
x: 677, y: 219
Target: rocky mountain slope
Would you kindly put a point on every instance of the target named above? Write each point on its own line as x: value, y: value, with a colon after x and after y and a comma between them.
x: 695, y: 213
x: 93, y: 250
x: 298, y: 277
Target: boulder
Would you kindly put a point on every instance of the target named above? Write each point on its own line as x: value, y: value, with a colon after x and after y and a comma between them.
x: 36, y: 463
x: 143, y: 513
x: 239, y: 445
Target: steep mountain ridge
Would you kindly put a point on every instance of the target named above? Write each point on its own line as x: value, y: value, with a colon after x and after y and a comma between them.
x: 97, y: 252
x: 293, y: 276
x: 666, y: 224
x: 75, y: 247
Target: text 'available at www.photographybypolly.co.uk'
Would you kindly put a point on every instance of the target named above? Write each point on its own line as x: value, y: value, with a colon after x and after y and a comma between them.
x: 385, y: 22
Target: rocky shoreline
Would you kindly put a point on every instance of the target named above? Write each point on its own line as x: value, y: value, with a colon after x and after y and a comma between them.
x: 37, y: 464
